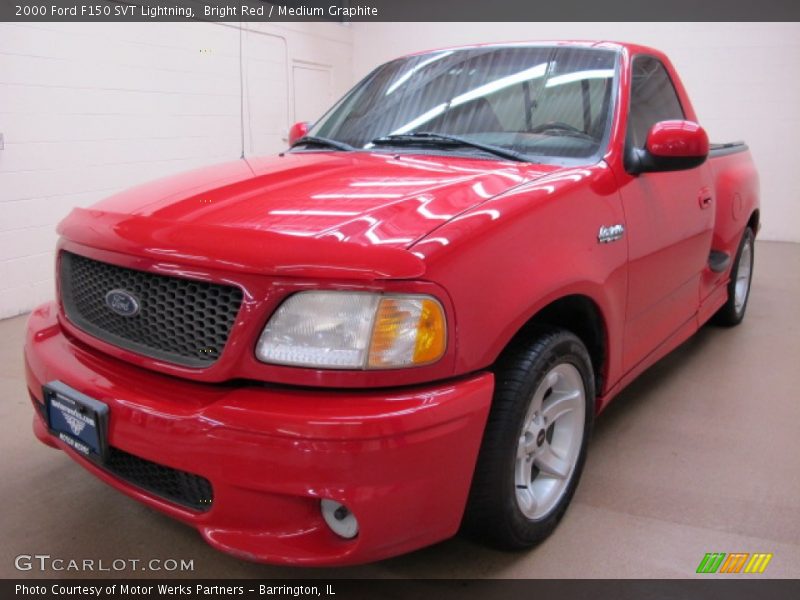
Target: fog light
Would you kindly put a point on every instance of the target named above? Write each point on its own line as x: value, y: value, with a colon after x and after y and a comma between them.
x: 339, y: 519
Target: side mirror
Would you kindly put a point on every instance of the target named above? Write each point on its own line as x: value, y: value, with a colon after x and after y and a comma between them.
x: 298, y: 130
x: 670, y: 146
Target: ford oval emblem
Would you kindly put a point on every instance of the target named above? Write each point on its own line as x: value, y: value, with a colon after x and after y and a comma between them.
x: 122, y: 302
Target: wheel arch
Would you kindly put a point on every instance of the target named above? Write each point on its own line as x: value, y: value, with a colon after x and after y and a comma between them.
x: 754, y: 222
x: 580, y: 315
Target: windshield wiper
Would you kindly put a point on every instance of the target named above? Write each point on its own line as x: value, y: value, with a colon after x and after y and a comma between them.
x: 416, y: 137
x: 322, y: 141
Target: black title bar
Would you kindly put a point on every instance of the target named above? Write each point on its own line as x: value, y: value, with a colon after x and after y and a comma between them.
x: 733, y: 588
x: 398, y: 10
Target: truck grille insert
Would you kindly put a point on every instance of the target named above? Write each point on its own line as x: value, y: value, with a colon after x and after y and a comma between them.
x: 180, y: 487
x: 183, y: 321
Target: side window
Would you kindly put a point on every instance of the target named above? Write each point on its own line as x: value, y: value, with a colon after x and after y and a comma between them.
x: 653, y: 99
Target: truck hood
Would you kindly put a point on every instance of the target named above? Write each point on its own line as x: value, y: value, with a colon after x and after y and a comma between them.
x: 324, y: 211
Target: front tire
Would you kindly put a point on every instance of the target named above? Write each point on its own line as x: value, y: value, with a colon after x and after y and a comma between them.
x: 732, y: 312
x: 534, y: 445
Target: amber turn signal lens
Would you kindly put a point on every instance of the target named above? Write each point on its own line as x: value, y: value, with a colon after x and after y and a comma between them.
x: 408, y: 331
x: 430, y: 333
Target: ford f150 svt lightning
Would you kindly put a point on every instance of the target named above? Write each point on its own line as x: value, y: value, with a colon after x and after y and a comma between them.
x: 405, y: 323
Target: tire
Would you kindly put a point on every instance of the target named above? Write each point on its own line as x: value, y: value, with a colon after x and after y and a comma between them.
x: 514, y: 503
x: 732, y: 312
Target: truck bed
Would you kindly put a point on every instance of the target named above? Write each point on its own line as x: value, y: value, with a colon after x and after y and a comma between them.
x: 726, y: 148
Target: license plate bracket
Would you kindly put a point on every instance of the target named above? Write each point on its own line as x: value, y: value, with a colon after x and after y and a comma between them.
x: 76, y: 419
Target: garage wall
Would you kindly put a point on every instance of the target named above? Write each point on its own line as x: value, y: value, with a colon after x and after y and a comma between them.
x: 742, y: 78
x: 89, y: 109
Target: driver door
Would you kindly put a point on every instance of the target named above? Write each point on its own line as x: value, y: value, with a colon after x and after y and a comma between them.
x: 669, y: 224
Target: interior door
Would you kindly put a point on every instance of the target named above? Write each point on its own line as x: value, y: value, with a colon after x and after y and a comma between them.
x: 669, y: 224
x: 265, y: 104
x: 313, y: 93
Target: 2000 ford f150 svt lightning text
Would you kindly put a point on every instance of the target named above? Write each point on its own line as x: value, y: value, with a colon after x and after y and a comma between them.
x: 406, y: 322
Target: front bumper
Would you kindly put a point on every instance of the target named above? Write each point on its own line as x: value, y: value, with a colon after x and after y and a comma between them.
x: 401, y: 460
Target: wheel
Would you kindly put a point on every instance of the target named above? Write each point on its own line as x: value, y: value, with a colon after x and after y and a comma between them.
x: 559, y: 126
x: 732, y: 312
x: 534, y: 445
x: 554, y: 125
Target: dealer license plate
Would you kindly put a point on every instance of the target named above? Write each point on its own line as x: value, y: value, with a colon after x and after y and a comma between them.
x: 76, y: 419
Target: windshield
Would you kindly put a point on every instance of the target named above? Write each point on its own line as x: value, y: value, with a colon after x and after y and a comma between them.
x: 535, y: 101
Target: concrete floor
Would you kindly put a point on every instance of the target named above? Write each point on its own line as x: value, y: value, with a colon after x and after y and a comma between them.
x: 701, y: 454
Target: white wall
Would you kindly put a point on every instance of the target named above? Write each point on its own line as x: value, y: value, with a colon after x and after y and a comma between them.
x: 742, y: 78
x: 87, y: 109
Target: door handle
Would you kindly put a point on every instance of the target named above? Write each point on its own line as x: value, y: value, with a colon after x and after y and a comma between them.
x: 704, y: 198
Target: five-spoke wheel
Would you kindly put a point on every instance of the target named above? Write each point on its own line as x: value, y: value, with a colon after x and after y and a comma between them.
x: 535, y: 441
x: 732, y: 312
x: 551, y: 440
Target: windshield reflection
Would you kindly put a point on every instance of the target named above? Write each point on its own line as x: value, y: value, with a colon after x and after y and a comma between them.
x: 537, y: 101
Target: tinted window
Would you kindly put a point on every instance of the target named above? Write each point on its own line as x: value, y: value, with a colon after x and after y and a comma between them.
x: 653, y: 99
x: 540, y: 101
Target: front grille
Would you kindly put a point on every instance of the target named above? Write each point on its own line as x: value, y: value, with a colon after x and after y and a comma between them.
x: 180, y: 487
x: 179, y: 320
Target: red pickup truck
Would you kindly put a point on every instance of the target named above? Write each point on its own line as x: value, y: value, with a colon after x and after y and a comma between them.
x: 405, y: 323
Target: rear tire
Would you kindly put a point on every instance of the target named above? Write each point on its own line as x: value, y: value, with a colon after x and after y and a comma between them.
x: 732, y: 312
x: 534, y: 445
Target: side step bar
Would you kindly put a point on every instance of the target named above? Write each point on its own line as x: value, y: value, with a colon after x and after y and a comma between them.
x: 718, y: 261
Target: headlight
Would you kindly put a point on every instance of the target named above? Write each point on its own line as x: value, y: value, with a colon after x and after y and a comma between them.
x: 354, y: 330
